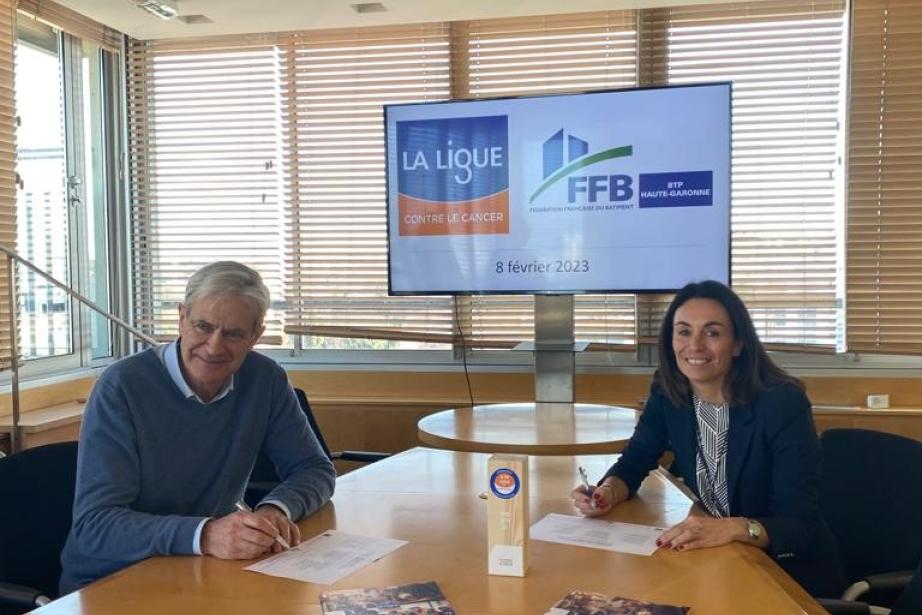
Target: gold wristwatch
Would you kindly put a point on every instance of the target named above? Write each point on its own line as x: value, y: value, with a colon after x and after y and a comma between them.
x: 754, y: 529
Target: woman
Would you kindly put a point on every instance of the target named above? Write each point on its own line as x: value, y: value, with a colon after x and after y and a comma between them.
x: 742, y: 434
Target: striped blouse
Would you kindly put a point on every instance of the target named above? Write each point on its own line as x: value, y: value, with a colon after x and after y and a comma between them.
x: 713, y: 422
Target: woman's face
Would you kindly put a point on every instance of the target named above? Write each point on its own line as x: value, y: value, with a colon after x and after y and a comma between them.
x: 704, y: 346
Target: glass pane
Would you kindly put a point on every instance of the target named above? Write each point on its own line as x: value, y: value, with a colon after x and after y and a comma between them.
x: 42, y: 212
x: 94, y: 164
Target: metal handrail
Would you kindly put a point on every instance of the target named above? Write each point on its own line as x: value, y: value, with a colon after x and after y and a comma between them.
x: 11, y: 258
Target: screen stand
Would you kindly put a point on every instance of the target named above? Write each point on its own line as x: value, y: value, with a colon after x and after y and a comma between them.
x: 554, y: 349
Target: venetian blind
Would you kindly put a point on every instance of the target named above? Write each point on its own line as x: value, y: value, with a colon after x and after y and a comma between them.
x: 536, y: 55
x: 884, y: 276
x: 71, y: 22
x: 334, y: 86
x: 785, y: 60
x: 7, y: 167
x: 204, y: 146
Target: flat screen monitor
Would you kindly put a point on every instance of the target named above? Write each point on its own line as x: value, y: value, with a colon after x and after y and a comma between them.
x: 616, y: 191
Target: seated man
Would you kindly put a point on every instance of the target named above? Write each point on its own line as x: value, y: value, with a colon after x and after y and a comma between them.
x: 171, y: 434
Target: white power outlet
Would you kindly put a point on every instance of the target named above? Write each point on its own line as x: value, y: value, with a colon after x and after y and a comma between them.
x: 879, y: 402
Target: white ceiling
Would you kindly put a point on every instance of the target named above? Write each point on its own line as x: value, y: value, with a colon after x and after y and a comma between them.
x: 250, y: 16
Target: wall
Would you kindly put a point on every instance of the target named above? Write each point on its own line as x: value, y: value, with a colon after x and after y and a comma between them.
x: 379, y: 410
x: 32, y: 398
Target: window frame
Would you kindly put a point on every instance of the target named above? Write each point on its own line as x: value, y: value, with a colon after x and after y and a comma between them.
x: 70, y: 55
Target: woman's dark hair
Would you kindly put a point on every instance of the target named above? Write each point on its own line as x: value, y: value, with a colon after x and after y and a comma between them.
x: 750, y: 372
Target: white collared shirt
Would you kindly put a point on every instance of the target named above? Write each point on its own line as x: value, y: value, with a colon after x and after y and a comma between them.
x: 169, y: 356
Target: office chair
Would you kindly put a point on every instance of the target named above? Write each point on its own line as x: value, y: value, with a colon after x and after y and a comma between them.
x: 871, y: 494
x: 264, y: 478
x: 35, y: 516
x: 909, y: 602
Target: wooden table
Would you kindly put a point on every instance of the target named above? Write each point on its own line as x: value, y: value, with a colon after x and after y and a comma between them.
x: 548, y: 429
x: 430, y: 498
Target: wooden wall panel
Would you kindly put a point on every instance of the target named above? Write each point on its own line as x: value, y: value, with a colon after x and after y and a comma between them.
x: 48, y: 395
x: 852, y: 391
x: 379, y: 410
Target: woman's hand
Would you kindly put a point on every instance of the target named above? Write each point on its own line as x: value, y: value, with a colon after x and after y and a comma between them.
x: 596, y: 501
x: 698, y: 532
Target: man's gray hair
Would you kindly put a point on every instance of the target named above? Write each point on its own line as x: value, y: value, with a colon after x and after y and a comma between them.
x: 229, y: 278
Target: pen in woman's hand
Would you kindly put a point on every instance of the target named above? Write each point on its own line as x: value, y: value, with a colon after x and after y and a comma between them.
x: 589, y: 490
x: 242, y: 506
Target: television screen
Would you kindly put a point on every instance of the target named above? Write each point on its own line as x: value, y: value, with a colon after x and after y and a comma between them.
x: 619, y: 191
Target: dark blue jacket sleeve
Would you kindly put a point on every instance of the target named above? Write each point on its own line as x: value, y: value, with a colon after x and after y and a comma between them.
x: 795, y: 464
x: 646, y: 446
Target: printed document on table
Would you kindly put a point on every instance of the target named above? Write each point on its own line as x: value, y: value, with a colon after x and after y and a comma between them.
x: 327, y: 557
x: 597, y: 534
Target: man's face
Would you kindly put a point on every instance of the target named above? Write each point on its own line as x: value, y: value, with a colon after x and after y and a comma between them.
x: 217, y: 333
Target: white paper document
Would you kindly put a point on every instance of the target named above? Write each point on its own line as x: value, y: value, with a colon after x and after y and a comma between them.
x: 597, y: 534
x: 327, y: 557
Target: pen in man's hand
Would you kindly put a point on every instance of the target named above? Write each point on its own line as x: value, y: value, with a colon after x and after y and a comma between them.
x: 242, y: 506
x: 585, y: 478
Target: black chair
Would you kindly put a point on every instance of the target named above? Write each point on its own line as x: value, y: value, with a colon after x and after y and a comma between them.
x: 264, y: 476
x: 871, y: 495
x: 909, y: 601
x: 37, y: 487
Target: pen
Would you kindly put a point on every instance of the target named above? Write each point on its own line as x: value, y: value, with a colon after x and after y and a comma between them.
x: 242, y: 506
x: 585, y: 478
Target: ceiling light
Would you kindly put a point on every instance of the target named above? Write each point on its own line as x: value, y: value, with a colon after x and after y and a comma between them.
x: 164, y: 9
x: 369, y: 7
x: 194, y: 20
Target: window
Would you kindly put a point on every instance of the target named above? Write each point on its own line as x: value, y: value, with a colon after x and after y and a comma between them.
x: 42, y: 202
x: 66, y: 156
x: 884, y: 215
x: 785, y: 60
x: 206, y: 184
x: 275, y: 141
x: 271, y: 152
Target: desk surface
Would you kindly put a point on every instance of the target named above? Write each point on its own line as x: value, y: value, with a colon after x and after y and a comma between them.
x: 430, y: 498
x: 548, y: 429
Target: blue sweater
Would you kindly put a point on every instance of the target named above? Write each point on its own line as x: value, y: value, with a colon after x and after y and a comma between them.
x: 153, y: 464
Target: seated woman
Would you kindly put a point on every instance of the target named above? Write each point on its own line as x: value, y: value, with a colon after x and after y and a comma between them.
x: 743, y: 437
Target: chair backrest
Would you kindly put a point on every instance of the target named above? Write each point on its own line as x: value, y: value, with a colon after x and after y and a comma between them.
x: 306, y: 408
x: 37, y: 487
x: 264, y: 470
x: 871, y: 495
x: 910, y: 601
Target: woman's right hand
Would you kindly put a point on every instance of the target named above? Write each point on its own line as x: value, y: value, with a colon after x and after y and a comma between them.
x: 593, y: 501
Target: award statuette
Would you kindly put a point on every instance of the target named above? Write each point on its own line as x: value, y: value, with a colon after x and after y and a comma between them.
x: 507, y: 515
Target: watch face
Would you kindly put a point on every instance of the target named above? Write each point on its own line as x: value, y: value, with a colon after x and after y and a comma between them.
x: 754, y: 529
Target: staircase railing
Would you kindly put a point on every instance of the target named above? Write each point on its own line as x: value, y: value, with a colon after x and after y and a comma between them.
x: 12, y: 258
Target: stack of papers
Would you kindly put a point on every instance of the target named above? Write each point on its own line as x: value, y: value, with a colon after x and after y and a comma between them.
x: 327, y: 557
x: 597, y: 534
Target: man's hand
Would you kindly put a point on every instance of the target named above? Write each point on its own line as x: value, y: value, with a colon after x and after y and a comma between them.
x: 282, y: 526
x: 239, y: 535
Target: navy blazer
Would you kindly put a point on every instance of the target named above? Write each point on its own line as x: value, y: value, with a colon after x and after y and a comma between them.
x: 773, y: 465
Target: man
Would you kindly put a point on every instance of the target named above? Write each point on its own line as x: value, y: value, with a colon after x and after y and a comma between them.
x: 171, y: 434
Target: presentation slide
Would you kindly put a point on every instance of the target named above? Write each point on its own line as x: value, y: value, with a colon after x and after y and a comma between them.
x: 599, y: 192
